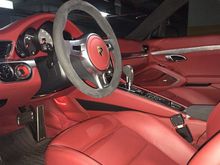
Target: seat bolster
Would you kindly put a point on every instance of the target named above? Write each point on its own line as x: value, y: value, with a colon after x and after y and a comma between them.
x: 209, y: 153
x: 58, y: 155
x: 213, y: 125
x: 157, y: 134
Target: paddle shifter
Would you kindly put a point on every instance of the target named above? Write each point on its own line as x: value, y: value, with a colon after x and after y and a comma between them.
x: 129, y: 72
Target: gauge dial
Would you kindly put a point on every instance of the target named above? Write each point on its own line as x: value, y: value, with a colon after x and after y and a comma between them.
x: 44, y: 37
x: 27, y: 44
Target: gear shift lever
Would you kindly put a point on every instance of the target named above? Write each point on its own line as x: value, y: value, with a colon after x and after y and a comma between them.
x: 129, y: 72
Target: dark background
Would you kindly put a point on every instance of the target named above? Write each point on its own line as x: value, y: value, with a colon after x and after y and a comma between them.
x: 126, y: 15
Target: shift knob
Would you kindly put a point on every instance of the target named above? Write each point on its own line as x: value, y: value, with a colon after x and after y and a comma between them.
x: 129, y: 72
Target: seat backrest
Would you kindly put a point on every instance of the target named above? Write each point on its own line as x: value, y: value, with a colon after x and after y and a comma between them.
x: 213, y: 124
x: 209, y: 153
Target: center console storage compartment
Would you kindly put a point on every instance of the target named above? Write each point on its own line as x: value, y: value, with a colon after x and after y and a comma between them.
x: 155, y: 77
x: 158, y: 77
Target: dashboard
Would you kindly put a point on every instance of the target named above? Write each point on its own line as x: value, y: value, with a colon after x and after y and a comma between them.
x: 28, y: 63
x: 29, y: 68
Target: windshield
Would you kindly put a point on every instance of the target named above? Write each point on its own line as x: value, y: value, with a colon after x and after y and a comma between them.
x: 123, y: 15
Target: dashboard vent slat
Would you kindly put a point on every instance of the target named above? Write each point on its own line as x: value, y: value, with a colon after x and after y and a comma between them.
x: 5, y: 48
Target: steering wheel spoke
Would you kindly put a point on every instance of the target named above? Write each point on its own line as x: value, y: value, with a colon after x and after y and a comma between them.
x: 73, y: 47
x: 109, y: 44
x: 101, y: 80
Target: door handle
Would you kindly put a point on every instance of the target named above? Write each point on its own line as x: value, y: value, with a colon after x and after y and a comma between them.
x: 175, y: 58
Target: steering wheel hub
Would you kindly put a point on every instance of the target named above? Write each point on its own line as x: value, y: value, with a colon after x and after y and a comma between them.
x: 98, y: 52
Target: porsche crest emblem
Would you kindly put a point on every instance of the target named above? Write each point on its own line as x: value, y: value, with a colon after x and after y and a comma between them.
x: 100, y: 50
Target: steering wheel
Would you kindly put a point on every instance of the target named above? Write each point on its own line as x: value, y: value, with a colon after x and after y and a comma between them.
x: 88, y: 58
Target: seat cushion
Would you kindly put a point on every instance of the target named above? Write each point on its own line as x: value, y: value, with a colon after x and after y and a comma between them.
x: 119, y: 138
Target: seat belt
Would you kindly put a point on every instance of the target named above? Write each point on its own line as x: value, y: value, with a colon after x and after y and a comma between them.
x: 154, y: 20
x: 181, y: 128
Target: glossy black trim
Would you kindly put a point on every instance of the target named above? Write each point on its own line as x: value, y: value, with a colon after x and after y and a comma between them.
x: 5, y: 48
x: 53, y: 79
x: 96, y: 106
x: 152, y: 96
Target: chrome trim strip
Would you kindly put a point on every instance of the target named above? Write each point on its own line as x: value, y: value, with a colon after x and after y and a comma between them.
x: 31, y: 63
x: 186, y: 50
x: 172, y: 51
x: 132, y: 56
x: 172, y: 58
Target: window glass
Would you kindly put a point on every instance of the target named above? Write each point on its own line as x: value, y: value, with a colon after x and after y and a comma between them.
x: 204, y: 17
x: 174, y: 26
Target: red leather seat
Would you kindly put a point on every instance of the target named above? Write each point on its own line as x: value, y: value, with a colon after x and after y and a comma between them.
x: 119, y: 138
x: 213, y: 124
x: 209, y: 153
x: 131, y: 138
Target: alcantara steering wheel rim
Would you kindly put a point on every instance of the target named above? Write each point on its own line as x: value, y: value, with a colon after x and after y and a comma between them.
x: 63, y: 51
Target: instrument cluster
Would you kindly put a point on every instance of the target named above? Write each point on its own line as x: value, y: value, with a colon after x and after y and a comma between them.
x: 31, y: 41
x: 27, y: 43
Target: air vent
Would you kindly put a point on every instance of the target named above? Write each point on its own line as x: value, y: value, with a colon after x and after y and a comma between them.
x: 5, y: 48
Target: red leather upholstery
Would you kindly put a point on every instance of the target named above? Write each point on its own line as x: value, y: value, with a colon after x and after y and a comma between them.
x: 209, y: 154
x: 192, y: 69
x: 120, y: 138
x: 213, y: 125
x: 189, y: 95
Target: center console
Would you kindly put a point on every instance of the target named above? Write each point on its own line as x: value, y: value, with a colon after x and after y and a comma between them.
x: 177, y: 120
x: 129, y: 73
x: 152, y: 96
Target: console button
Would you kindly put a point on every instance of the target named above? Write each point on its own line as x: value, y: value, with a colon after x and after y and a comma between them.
x: 6, y: 72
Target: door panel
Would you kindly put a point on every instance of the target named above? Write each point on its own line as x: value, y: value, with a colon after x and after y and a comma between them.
x: 198, y: 73
x: 184, y: 42
x: 198, y: 64
x: 201, y: 69
x: 133, y: 54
